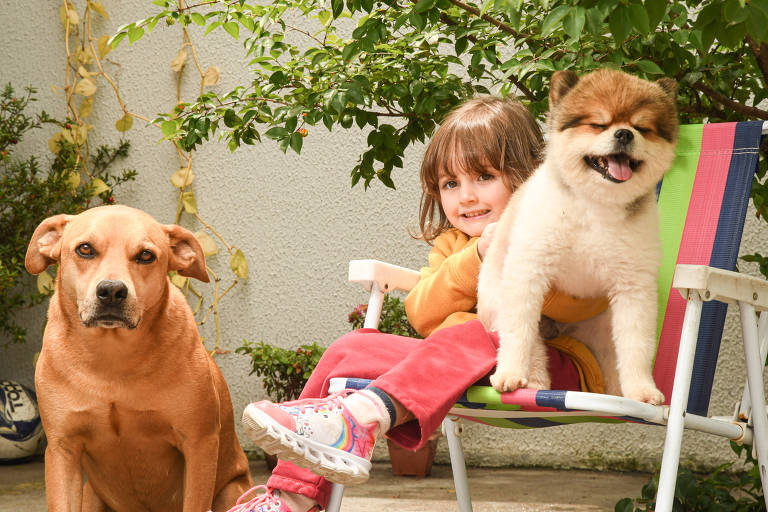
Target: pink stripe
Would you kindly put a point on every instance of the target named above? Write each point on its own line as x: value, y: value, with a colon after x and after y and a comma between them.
x: 525, y: 398
x: 698, y: 239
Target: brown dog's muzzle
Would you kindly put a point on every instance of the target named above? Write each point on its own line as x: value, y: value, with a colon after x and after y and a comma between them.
x: 112, y: 307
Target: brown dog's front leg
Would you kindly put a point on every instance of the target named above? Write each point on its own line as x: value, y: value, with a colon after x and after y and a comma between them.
x: 63, y: 478
x: 200, y: 460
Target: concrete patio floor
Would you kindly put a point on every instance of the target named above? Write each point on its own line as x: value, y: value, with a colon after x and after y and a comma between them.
x: 22, y: 489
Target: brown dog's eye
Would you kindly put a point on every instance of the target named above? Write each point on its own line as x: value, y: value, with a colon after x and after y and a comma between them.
x: 598, y: 126
x: 145, y: 257
x: 85, y: 251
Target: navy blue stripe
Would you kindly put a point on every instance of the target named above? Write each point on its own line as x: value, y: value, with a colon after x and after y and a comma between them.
x: 551, y: 398
x: 725, y: 251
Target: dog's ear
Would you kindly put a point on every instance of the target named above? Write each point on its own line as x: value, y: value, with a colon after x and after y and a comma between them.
x: 669, y: 86
x: 561, y: 83
x: 45, y: 246
x: 186, y: 256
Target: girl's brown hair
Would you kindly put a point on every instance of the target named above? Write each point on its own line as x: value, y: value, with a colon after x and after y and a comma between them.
x: 480, y: 132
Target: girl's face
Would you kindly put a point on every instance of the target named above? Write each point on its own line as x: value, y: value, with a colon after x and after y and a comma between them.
x: 472, y: 201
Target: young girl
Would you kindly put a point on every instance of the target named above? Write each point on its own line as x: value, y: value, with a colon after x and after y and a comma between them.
x: 481, y: 153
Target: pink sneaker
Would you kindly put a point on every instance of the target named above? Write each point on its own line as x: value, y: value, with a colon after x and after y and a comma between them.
x: 266, y: 502
x: 318, y: 434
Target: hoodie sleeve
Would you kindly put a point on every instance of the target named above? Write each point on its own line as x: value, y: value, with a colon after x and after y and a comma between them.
x: 447, y: 286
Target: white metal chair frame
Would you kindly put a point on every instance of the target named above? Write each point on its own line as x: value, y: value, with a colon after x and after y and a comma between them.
x: 697, y: 284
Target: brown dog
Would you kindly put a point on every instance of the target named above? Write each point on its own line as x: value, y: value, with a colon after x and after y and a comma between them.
x: 127, y: 391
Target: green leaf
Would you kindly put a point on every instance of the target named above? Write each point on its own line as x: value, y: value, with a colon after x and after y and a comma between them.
x: 574, y: 21
x: 324, y: 16
x: 640, y: 18
x: 232, y: 28
x: 553, y: 19
x: 656, y: 10
x: 169, y: 128
x: 423, y: 5
x: 231, y: 119
x: 620, y: 23
x: 649, y: 67
x: 134, y: 34
x: 198, y: 18
x: 296, y: 142
x: 337, y: 6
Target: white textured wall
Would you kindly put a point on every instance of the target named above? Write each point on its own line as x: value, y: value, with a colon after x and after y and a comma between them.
x: 298, y: 222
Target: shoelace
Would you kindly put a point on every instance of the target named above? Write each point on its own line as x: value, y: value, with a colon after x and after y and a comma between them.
x: 331, y: 402
x: 261, y: 499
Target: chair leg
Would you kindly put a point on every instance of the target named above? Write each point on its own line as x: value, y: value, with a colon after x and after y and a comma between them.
x: 334, y: 502
x: 452, y: 427
x: 755, y: 379
x: 678, y: 402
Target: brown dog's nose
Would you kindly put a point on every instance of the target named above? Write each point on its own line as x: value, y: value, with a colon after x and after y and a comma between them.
x: 111, y: 292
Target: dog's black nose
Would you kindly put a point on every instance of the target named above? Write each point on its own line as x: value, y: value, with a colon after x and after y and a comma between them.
x: 111, y: 292
x: 624, y: 136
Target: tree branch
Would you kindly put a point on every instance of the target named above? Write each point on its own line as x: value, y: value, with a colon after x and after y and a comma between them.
x: 729, y: 103
x: 448, y: 21
x: 761, y: 56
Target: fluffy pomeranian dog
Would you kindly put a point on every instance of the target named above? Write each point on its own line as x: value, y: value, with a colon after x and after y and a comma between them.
x: 586, y: 223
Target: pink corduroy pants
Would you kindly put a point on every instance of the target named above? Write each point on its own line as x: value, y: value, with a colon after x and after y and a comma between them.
x: 426, y: 376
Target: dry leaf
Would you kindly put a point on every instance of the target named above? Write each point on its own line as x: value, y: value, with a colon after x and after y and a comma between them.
x: 68, y: 15
x: 96, y: 6
x: 182, y: 177
x: 177, y: 280
x: 238, y: 264
x: 189, y: 201
x: 212, y: 76
x: 53, y: 143
x: 44, y: 283
x: 103, y: 47
x: 178, y: 61
x: 74, y: 180
x: 86, y: 107
x: 85, y: 87
x: 98, y: 187
x: 124, y: 123
x: 207, y: 243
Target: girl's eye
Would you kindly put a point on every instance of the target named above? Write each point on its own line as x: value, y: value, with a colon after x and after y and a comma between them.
x: 449, y: 184
x: 85, y: 251
x: 145, y: 257
x: 486, y: 176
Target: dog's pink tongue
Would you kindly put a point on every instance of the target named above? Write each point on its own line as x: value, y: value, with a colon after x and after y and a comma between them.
x: 618, y: 167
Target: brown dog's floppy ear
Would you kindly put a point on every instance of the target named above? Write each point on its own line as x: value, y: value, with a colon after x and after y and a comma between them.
x: 45, y: 246
x: 669, y: 86
x: 561, y: 83
x: 186, y: 256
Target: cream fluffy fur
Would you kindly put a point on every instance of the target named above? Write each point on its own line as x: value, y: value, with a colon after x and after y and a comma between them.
x: 572, y: 228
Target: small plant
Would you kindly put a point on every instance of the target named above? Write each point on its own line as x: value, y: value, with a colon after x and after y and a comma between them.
x: 720, y: 491
x: 28, y: 195
x: 284, y: 372
x: 393, y: 319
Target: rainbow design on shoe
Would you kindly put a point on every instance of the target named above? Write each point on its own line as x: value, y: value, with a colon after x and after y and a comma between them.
x: 318, y: 434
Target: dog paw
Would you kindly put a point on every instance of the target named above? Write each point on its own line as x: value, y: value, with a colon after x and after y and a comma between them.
x: 648, y: 394
x: 508, y: 381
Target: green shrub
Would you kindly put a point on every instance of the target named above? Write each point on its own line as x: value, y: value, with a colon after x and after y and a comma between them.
x: 28, y: 195
x: 284, y: 372
x: 393, y: 319
x: 719, y: 491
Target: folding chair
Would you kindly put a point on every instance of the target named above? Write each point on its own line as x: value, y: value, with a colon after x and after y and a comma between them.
x: 702, y: 203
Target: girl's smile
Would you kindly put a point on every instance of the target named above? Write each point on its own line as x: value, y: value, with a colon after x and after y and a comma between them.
x: 473, y: 200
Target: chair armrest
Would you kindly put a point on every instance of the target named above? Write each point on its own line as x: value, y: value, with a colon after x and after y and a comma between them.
x: 723, y: 285
x: 389, y: 277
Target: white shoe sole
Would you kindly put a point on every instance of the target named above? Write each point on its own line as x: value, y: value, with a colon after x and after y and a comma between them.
x: 331, y: 463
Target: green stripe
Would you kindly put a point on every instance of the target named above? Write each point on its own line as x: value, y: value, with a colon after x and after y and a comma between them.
x: 675, y: 196
x: 488, y: 395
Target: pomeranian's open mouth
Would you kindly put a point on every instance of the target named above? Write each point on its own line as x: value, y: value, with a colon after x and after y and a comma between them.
x: 617, y: 167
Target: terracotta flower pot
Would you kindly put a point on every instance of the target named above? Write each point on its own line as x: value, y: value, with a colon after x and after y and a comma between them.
x: 409, y: 463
